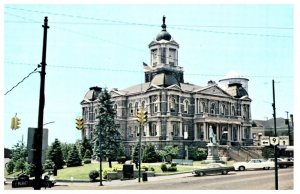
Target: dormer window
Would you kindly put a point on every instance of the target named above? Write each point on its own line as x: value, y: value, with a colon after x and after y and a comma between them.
x: 185, y: 106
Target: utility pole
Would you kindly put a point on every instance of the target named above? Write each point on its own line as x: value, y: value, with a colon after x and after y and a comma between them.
x: 275, y: 134
x: 38, y: 137
x: 292, y: 121
x: 140, y: 149
x: 100, y: 157
x: 288, y: 124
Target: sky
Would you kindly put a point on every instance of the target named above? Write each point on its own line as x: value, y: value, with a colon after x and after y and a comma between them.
x: 106, y: 45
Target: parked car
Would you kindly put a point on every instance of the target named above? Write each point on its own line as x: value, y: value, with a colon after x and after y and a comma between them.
x: 254, y: 164
x: 213, y: 168
x: 282, y: 163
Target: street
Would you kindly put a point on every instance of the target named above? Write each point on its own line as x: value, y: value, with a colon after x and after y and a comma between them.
x: 236, y: 180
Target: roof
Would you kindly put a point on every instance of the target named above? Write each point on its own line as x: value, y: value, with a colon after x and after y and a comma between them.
x: 92, y: 94
x: 164, y: 80
x: 135, y: 89
x: 280, y: 123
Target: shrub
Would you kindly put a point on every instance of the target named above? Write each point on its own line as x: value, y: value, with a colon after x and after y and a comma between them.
x: 145, y: 167
x: 105, y: 170
x: 163, y: 167
x: 197, y: 153
x: 94, y: 174
x: 10, y: 167
x: 87, y: 161
x: 29, y: 170
x: 172, y: 169
x: 49, y: 164
x: 150, y: 154
x: 152, y: 169
x: 173, y: 164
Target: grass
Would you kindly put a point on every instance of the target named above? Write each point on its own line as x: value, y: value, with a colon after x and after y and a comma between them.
x: 82, y: 172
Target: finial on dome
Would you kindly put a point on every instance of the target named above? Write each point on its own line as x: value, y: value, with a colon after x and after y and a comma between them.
x: 164, y: 26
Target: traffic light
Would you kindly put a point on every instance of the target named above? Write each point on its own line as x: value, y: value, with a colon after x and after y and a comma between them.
x: 145, y: 116
x: 79, y: 123
x: 15, y: 123
x: 142, y: 116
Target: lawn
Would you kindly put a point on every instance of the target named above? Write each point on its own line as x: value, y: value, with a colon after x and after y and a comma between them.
x: 82, y: 172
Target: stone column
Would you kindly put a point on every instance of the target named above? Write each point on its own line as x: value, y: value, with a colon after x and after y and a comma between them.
x: 229, y: 132
x: 180, y: 129
x: 218, y: 132
x: 179, y: 106
x: 158, y: 128
x: 195, y: 131
x: 205, y: 132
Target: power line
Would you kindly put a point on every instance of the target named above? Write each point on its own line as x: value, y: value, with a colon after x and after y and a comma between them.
x: 118, y: 22
x: 34, y: 71
x: 139, y: 71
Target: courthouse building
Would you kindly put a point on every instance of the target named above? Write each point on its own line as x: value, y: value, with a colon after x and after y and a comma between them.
x: 179, y: 113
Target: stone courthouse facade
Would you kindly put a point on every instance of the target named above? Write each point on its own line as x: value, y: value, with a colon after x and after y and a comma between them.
x: 179, y: 113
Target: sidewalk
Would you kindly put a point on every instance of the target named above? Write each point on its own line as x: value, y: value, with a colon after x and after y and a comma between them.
x: 123, y: 182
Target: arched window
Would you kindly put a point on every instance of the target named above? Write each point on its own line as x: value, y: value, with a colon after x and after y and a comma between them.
x: 143, y: 105
x: 130, y: 109
x: 185, y: 106
x: 155, y: 104
x: 232, y: 110
x: 172, y: 104
x: 223, y: 109
x: 202, y: 108
x: 136, y: 107
x: 116, y: 109
x: 212, y: 108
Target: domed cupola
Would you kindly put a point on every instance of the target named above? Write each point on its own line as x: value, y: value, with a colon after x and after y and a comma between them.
x: 163, y: 35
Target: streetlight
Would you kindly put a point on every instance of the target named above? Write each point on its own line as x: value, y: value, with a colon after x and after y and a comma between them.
x: 49, y: 123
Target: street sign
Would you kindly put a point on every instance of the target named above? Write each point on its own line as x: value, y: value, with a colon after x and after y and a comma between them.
x: 284, y: 140
x: 274, y: 140
x: 265, y: 140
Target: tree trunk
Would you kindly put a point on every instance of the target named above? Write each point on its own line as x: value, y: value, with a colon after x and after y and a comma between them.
x: 109, y: 162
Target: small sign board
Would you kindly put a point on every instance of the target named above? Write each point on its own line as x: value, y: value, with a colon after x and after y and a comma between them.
x: 274, y: 140
x: 284, y: 140
x: 265, y: 140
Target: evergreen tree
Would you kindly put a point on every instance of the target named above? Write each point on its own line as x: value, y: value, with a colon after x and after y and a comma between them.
x: 66, y: 148
x: 19, y: 156
x: 73, y: 158
x: 84, y: 146
x: 55, y: 154
x: 135, y: 154
x: 150, y: 154
x: 106, y: 130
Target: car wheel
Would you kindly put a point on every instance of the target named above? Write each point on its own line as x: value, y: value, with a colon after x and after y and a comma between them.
x: 284, y: 166
x: 201, y: 173
x: 242, y: 168
x: 267, y: 168
x: 224, y: 172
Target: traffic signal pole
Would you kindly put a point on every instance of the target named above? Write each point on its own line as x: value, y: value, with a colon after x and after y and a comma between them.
x: 275, y: 134
x: 38, y: 137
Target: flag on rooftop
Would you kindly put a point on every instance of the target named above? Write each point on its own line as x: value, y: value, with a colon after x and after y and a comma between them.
x: 146, y: 67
